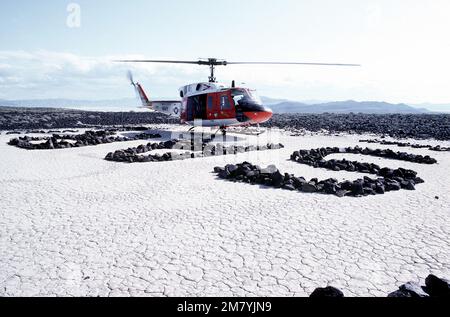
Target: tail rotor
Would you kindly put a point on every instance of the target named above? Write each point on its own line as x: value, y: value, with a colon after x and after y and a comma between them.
x: 130, y: 78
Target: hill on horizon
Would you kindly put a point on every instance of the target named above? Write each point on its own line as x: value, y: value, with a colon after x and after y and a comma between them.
x: 345, y: 107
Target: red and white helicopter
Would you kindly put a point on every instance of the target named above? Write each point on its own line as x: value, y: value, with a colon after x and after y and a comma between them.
x: 213, y: 104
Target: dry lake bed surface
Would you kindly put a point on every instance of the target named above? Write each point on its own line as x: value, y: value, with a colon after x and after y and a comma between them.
x: 72, y: 223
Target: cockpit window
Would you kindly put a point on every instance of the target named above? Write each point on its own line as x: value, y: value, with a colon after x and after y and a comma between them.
x: 237, y: 95
x: 245, y: 96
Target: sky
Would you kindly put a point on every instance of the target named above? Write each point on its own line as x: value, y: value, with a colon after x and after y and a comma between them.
x: 65, y: 49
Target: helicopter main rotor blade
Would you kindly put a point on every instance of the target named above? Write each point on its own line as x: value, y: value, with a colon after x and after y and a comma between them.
x: 217, y: 62
x: 155, y: 61
x: 290, y: 63
x: 213, y: 62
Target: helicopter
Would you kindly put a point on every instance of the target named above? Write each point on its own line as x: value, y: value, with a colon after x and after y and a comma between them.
x: 213, y: 104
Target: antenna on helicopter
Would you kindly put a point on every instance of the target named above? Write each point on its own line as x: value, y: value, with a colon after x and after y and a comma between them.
x: 213, y: 62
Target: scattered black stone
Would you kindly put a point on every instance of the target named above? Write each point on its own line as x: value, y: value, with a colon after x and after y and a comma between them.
x: 272, y: 177
x: 13, y: 132
x: 35, y: 132
x: 204, y: 149
x: 436, y: 148
x: 315, y: 158
x: 399, y: 293
x: 129, y: 128
x: 89, y: 138
x: 434, y: 287
x: 388, y: 180
x: 413, y: 289
x: 328, y: 291
x: 12, y: 118
x: 417, y: 126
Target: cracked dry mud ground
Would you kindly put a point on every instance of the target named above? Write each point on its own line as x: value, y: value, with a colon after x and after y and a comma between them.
x: 72, y: 223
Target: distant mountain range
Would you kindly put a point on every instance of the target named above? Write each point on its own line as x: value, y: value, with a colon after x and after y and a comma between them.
x: 345, y: 107
x: 436, y: 107
x: 277, y: 105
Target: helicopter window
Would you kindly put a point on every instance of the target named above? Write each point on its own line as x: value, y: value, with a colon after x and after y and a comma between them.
x: 254, y: 96
x: 224, y: 102
x: 244, y: 96
x: 237, y: 96
x: 210, y: 103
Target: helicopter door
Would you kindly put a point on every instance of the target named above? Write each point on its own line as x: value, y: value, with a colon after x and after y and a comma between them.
x: 211, y: 110
x: 190, y: 109
x: 200, y: 107
x: 226, y: 106
x: 196, y: 108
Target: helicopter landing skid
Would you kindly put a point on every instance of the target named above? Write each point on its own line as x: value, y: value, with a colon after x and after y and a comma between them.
x: 249, y: 131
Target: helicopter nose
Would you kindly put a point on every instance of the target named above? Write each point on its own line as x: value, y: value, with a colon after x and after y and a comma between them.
x: 259, y: 116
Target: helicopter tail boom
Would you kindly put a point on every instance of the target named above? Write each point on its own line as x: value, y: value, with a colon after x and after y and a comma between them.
x: 169, y: 107
x: 139, y: 91
x: 143, y: 96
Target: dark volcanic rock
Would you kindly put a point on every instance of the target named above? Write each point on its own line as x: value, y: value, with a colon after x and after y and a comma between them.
x: 418, y: 126
x: 390, y: 180
x: 341, y: 192
x: 230, y: 171
x: 328, y: 291
x: 357, y: 188
x: 271, y: 176
x: 436, y: 286
x: 379, y: 189
x: 409, y: 185
x: 289, y: 187
x: 414, y: 289
x: 298, y: 181
x: 89, y: 138
x: 277, y: 179
x: 218, y: 169
x: 436, y: 148
x: 393, y: 185
x: 36, y: 118
x: 399, y: 293
x: 308, y: 188
x: 269, y: 169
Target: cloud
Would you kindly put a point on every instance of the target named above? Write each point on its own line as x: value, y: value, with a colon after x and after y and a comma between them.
x: 46, y: 74
x: 389, y: 73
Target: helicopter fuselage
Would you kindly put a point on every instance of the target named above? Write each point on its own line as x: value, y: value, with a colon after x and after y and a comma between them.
x: 214, y: 104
